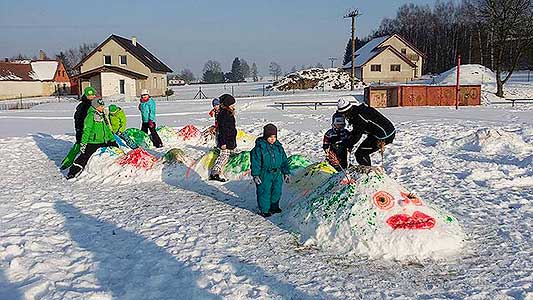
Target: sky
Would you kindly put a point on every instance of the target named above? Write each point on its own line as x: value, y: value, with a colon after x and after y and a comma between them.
x: 187, y: 33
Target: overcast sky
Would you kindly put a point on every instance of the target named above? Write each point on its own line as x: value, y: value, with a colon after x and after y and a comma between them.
x: 186, y: 33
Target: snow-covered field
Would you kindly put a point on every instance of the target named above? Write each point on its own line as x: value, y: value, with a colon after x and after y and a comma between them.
x: 114, y: 238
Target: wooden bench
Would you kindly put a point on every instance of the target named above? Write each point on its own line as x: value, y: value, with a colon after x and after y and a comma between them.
x: 305, y: 103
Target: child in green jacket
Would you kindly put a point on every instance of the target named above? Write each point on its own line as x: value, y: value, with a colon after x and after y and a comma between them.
x: 96, y: 133
x: 269, y: 166
x: 117, y: 118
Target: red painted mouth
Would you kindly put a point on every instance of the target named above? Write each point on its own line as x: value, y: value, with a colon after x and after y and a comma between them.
x: 418, y: 220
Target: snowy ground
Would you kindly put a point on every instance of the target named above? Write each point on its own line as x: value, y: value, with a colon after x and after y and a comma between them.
x: 94, y: 240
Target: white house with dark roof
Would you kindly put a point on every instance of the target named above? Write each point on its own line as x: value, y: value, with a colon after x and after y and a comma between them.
x: 387, y: 59
x: 122, y: 66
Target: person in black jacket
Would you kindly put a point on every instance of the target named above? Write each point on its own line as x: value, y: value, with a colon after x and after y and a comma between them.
x: 366, y: 120
x: 226, y: 135
x: 89, y: 93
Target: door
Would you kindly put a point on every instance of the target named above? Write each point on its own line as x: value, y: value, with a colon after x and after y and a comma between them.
x: 122, y: 86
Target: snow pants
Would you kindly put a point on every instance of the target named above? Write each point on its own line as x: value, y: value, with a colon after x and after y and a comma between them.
x: 369, y: 146
x: 269, y: 191
x: 221, y: 161
x: 80, y: 162
x: 154, y: 136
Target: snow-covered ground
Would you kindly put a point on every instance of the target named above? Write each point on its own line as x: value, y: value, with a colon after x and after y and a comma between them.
x: 116, y: 238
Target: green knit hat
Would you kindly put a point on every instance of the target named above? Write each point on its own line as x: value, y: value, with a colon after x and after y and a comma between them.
x: 113, y: 108
x: 89, y: 91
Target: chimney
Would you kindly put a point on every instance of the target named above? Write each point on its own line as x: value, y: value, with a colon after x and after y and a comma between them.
x: 42, y: 55
x: 134, y: 41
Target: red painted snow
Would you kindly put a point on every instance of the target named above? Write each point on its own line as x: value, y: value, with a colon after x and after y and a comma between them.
x: 138, y: 158
x: 189, y: 132
x: 418, y: 220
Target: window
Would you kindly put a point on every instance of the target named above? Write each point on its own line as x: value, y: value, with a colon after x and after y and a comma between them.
x: 404, y: 51
x: 375, y: 68
x: 107, y: 59
x: 395, y: 68
x: 123, y: 59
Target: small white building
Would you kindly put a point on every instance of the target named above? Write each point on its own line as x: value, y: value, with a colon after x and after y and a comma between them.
x: 176, y: 80
x: 387, y: 59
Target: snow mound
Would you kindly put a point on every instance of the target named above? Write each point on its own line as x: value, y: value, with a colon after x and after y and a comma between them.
x: 189, y: 132
x: 370, y: 214
x: 315, y: 78
x: 136, y: 138
x: 138, y: 158
x: 490, y: 141
x: 470, y: 75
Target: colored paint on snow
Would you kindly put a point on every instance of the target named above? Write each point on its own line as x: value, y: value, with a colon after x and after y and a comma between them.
x: 238, y: 163
x: 189, y: 132
x: 138, y: 158
x: 136, y: 138
x: 298, y: 161
x: 175, y: 155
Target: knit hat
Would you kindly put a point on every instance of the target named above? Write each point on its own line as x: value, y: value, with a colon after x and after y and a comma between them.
x: 227, y: 100
x: 270, y: 129
x: 113, y: 108
x: 89, y: 91
x: 145, y: 92
x: 215, y: 102
x: 339, y: 120
x: 96, y: 102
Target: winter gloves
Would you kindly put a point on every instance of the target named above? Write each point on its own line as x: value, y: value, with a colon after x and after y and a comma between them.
x: 257, y: 180
x: 287, y: 178
x: 151, y: 124
x: 82, y: 148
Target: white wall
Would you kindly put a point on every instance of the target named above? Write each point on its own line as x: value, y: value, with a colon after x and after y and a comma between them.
x: 111, y: 84
x: 13, y: 89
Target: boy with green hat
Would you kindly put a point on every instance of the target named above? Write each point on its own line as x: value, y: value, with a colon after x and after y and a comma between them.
x: 96, y: 133
x: 89, y: 94
x: 117, y: 118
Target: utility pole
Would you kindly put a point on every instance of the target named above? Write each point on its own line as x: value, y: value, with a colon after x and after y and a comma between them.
x: 332, y: 60
x: 352, y: 14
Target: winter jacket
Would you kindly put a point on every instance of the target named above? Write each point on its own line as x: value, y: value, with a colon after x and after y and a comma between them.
x: 368, y: 120
x: 147, y: 110
x: 335, y: 139
x: 79, y: 116
x: 267, y: 158
x: 96, y: 129
x: 226, y: 131
x: 118, y: 121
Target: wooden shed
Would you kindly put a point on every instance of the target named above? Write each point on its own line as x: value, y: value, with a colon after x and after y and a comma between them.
x: 421, y: 95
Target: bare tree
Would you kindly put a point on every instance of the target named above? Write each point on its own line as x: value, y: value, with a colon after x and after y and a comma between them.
x: 510, y: 24
x: 187, y: 75
x: 275, y: 70
x: 73, y: 56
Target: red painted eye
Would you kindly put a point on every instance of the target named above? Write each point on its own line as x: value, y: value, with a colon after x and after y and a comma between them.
x: 413, y: 198
x: 383, y: 200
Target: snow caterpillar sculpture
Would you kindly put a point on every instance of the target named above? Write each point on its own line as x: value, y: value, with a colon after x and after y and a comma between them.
x: 368, y: 213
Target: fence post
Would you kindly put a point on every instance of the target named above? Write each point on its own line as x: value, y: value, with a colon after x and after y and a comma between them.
x: 20, y: 101
x: 233, y: 94
x: 263, y: 89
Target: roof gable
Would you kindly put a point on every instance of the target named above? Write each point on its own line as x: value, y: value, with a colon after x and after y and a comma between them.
x: 374, y: 47
x: 396, y: 53
x: 141, y: 53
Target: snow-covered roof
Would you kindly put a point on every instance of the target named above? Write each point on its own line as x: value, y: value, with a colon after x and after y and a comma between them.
x: 365, y: 53
x: 44, y: 70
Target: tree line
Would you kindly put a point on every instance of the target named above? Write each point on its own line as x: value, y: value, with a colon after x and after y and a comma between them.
x: 495, y: 33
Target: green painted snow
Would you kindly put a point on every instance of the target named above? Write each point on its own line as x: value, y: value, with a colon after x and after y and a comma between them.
x: 298, y: 161
x: 238, y: 163
x: 136, y: 138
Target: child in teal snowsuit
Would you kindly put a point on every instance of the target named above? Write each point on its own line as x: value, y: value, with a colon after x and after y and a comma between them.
x: 269, y: 166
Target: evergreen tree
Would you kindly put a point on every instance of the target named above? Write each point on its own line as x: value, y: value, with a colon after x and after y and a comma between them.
x: 275, y: 70
x: 245, y: 69
x: 254, y: 72
x: 212, y: 72
x: 236, y: 71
